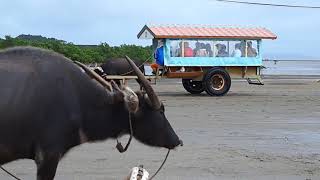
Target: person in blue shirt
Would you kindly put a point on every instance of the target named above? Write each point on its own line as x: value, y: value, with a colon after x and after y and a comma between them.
x: 159, y: 56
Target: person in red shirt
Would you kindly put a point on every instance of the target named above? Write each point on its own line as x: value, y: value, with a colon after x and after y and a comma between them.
x: 188, y: 52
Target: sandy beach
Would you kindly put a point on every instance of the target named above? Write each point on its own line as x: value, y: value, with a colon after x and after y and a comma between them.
x: 254, y: 132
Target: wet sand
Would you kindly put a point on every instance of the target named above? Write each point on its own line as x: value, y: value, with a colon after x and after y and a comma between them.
x: 254, y: 132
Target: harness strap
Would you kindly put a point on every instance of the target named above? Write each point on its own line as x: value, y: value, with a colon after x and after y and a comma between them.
x: 119, y: 145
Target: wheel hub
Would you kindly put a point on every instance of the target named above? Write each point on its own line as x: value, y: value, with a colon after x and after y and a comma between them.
x: 217, y: 82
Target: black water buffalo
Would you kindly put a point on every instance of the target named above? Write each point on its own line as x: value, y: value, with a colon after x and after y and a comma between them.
x: 48, y: 105
x: 120, y: 66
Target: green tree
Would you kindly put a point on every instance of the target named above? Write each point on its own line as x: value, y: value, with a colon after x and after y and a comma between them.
x: 83, y: 53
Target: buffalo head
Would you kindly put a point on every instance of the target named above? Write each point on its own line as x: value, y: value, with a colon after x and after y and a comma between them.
x: 149, y: 123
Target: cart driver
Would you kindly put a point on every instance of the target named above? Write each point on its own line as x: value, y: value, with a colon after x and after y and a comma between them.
x: 159, y: 56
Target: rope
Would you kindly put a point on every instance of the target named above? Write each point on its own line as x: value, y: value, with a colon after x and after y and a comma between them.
x: 119, y: 146
x: 161, y: 165
x: 269, y: 4
x: 121, y: 149
x: 15, y: 177
x: 164, y: 161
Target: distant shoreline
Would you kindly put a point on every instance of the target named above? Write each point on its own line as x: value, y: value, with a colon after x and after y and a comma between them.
x: 290, y: 68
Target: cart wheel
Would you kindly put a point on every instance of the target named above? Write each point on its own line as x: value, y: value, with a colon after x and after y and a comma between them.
x: 217, y: 82
x: 193, y: 87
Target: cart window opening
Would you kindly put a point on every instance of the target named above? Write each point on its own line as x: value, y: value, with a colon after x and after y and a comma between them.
x: 191, y: 48
x: 181, y: 48
x: 203, y: 49
x: 236, y: 48
x: 175, y: 48
x: 212, y: 48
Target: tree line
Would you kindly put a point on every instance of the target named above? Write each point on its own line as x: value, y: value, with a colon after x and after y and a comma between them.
x: 83, y: 53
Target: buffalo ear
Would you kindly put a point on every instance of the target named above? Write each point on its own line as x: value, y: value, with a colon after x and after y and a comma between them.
x: 131, y: 100
x: 126, y: 95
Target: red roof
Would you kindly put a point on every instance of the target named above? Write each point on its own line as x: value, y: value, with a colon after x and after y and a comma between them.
x: 207, y: 32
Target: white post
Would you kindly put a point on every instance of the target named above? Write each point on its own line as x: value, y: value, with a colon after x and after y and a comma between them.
x: 182, y: 48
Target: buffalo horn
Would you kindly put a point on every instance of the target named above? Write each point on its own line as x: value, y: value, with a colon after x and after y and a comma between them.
x: 145, y: 84
x: 95, y: 76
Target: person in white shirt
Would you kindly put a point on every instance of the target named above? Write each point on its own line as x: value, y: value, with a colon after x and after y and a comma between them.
x: 237, y: 51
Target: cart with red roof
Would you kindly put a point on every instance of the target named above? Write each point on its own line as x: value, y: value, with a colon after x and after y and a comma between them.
x: 207, y: 58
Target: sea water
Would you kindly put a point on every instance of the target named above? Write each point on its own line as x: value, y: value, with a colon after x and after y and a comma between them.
x: 291, y: 67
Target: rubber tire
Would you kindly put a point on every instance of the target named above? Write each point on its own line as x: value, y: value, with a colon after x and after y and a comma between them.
x: 188, y: 85
x: 208, y: 85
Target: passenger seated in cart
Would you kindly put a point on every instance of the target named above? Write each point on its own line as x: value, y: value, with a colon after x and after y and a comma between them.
x: 202, y: 51
x: 222, y: 50
x: 209, y: 50
x: 188, y: 52
x: 159, y: 57
x: 196, y: 49
x: 243, y: 48
x: 252, y: 52
x: 237, y: 51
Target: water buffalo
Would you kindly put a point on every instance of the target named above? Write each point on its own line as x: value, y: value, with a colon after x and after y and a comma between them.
x: 118, y: 66
x: 48, y: 105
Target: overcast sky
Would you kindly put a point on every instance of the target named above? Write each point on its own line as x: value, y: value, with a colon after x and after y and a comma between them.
x: 118, y: 21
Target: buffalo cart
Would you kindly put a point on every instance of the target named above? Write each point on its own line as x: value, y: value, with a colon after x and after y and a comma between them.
x: 207, y: 58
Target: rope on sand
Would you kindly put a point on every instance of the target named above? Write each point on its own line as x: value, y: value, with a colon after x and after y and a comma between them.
x: 9, y: 173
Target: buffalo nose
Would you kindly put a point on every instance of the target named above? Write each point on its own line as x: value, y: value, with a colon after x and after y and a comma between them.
x: 181, y: 142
